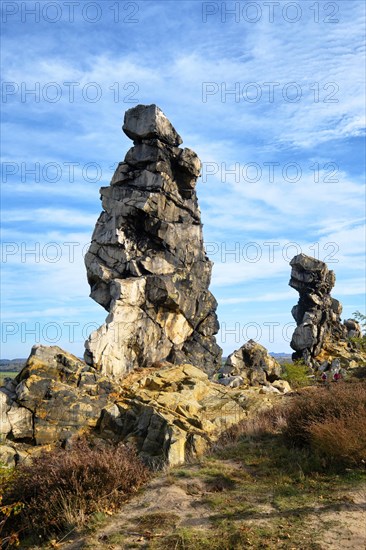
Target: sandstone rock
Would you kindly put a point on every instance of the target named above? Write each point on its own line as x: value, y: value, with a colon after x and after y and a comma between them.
x: 168, y: 412
x: 252, y: 363
x: 21, y: 422
x: 146, y: 264
x: 148, y: 122
x: 320, y: 337
x: 8, y: 456
x: 353, y: 328
x: 269, y: 389
x: 5, y: 404
x: 55, y: 396
x: 172, y: 413
x: 231, y: 381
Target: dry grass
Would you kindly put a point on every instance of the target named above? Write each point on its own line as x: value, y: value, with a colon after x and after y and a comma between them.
x: 269, y: 421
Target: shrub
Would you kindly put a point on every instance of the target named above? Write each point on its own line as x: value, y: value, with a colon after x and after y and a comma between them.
x: 8, y: 511
x: 359, y: 342
x: 61, y: 489
x: 341, y: 441
x: 297, y: 374
x: 331, y: 421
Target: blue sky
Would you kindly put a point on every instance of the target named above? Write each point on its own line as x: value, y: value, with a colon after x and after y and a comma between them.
x: 270, y: 96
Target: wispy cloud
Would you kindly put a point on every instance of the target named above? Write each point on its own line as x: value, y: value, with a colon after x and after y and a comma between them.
x: 166, y: 58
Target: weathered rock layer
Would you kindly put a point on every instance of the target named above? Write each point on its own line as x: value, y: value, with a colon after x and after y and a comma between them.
x: 146, y: 264
x: 55, y: 397
x: 174, y: 412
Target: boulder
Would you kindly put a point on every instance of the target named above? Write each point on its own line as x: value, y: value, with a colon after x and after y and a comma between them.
x: 252, y: 363
x: 353, y: 328
x: 146, y: 122
x: 146, y: 264
x: 8, y: 456
x: 282, y: 385
x: 231, y: 381
x: 55, y: 396
x: 5, y: 404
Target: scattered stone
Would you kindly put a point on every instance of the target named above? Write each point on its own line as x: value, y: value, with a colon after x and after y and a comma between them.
x: 269, y: 389
x: 231, y: 381
x: 282, y: 385
x: 146, y: 264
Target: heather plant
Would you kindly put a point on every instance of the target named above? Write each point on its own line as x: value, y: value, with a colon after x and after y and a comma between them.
x: 331, y: 422
x: 61, y: 489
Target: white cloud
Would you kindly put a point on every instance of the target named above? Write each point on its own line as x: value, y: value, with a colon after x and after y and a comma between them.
x: 51, y: 216
x: 169, y: 54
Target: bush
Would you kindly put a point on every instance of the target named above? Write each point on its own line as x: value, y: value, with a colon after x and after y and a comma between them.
x: 297, y: 374
x: 359, y: 342
x: 332, y: 422
x: 341, y: 441
x: 61, y: 489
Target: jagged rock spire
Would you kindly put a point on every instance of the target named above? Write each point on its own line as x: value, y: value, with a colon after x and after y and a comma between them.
x: 146, y: 264
x: 320, y: 337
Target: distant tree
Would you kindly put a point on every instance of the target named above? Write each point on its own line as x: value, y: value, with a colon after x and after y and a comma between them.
x: 361, y: 318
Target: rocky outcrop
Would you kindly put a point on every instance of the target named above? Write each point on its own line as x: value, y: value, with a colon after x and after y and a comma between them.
x: 320, y: 338
x: 146, y: 264
x: 167, y: 412
x: 53, y: 398
x: 175, y: 412
x: 251, y: 364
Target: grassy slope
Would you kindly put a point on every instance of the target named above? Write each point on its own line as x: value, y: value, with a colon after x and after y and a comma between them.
x: 255, y: 493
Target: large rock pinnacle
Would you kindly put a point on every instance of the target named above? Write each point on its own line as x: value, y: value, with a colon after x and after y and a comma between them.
x: 146, y: 264
x: 320, y: 338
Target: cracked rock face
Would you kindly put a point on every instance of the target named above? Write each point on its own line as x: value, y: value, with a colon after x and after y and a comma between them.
x: 172, y: 412
x: 146, y: 264
x: 320, y: 337
x: 54, y: 397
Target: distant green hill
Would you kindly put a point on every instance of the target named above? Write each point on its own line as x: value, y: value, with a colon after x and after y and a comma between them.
x: 282, y: 357
x: 12, y: 365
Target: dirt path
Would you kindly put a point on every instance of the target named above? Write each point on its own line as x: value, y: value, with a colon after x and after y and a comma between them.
x: 167, y: 503
x: 347, y: 526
